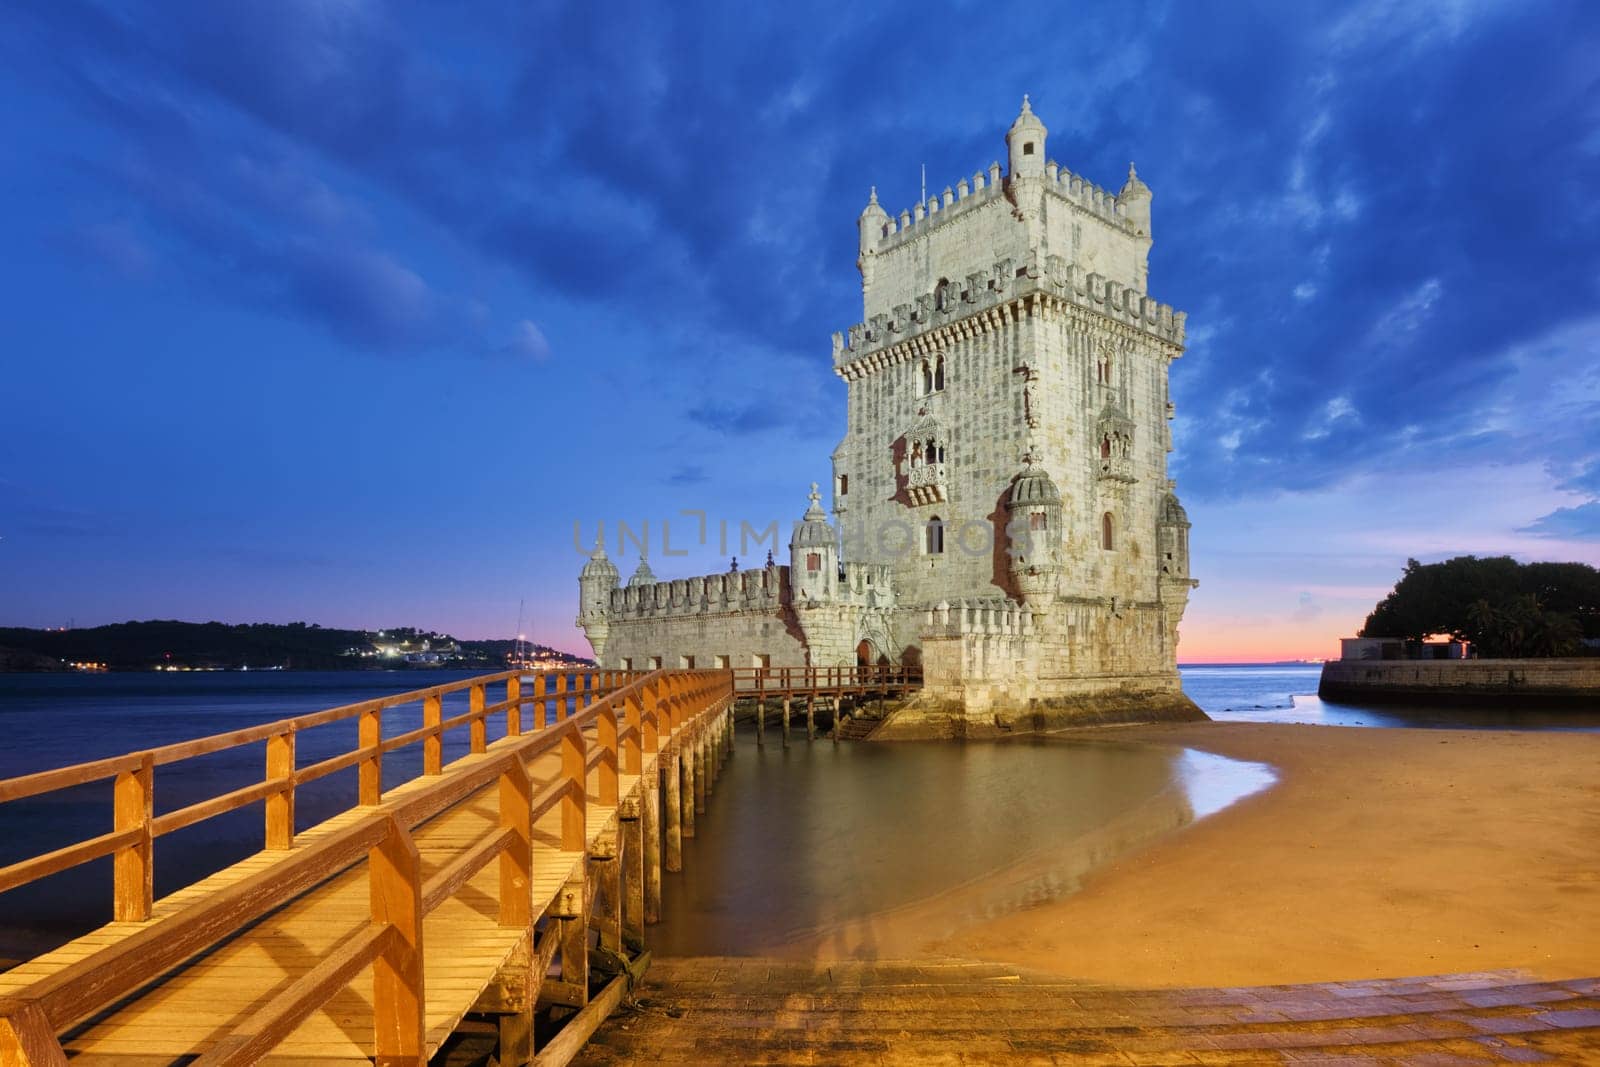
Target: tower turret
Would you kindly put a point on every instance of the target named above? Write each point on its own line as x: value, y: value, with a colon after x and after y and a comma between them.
x: 596, y: 582
x: 1135, y: 199
x: 1033, y: 524
x: 871, y: 223
x: 1025, y: 143
x: 813, y: 554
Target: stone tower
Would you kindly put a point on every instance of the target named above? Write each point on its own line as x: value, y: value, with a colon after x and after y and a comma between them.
x: 1008, y: 429
x: 1003, y: 512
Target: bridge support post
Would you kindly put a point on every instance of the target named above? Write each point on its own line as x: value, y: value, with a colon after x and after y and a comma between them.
x: 605, y: 870
x: 691, y: 778
x: 786, y: 722
x: 811, y: 722
x: 761, y: 723
x: 571, y: 913
x: 674, y: 845
x: 631, y: 817
x: 651, y: 790
x: 702, y: 770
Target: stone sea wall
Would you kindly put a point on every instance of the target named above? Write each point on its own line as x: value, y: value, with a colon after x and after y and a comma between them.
x: 1517, y: 682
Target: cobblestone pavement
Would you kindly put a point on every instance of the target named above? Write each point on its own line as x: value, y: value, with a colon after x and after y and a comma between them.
x: 712, y: 1010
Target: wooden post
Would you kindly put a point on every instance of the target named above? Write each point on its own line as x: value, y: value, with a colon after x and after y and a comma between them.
x: 133, y: 882
x: 479, y: 726
x: 433, y: 745
x: 541, y: 709
x: 702, y: 770
x: 516, y: 860
x: 674, y: 844
x: 605, y: 867
x: 691, y: 776
x: 575, y: 801
x: 26, y: 1039
x: 280, y: 805
x: 631, y: 819
x: 514, y: 709
x: 574, y: 927
x: 398, y: 993
x: 786, y: 721
x: 606, y: 787
x: 761, y: 723
x: 650, y: 790
x: 370, y: 776
x: 811, y: 722
x: 561, y: 695
x: 633, y: 744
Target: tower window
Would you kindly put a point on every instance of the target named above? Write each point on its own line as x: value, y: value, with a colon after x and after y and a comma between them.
x: 1105, y: 447
x: 927, y: 377
x: 813, y: 562
x: 938, y: 374
x: 935, y: 536
x: 1037, y: 521
x: 1107, y: 531
x: 844, y: 485
x: 1027, y: 148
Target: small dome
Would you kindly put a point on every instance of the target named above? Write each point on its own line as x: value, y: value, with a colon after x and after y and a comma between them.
x: 873, y: 208
x: 1172, y: 512
x: 1133, y: 187
x: 1026, y: 119
x: 1033, y: 487
x: 599, y: 565
x: 813, y: 529
x: 642, y: 575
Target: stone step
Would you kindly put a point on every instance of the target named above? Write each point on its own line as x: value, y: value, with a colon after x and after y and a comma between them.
x: 746, y: 1011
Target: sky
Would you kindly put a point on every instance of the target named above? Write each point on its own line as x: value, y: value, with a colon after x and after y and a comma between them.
x: 351, y: 312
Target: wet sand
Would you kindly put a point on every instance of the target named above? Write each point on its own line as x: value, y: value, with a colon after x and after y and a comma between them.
x: 1378, y: 853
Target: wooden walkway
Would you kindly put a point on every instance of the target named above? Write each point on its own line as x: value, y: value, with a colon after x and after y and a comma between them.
x: 475, y: 887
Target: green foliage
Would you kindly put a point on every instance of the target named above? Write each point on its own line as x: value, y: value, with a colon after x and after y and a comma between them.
x: 1503, y: 607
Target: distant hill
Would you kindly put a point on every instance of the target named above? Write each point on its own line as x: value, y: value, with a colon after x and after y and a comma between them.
x: 165, y: 643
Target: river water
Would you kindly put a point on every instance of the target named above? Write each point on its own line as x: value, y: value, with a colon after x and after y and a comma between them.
x: 815, y: 849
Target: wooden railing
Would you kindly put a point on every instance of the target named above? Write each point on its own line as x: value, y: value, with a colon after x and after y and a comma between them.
x: 770, y: 681
x: 631, y: 715
x: 552, y: 696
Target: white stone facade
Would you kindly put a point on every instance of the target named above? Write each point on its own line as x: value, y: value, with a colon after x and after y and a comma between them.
x: 1003, y: 509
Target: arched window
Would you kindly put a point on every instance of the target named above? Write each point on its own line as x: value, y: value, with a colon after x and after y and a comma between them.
x: 938, y: 374
x: 927, y: 377
x: 1105, y: 447
x: 935, y: 538
x: 1038, y: 521
x: 1107, y: 532
x: 941, y: 295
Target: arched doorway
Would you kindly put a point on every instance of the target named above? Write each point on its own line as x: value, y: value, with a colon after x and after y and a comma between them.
x: 866, y: 653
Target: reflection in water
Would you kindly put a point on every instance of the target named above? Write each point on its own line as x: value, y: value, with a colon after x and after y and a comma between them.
x: 1212, y: 782
x: 869, y: 850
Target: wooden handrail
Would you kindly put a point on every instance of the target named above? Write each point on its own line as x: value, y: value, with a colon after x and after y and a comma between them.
x: 400, y: 899
x: 278, y: 785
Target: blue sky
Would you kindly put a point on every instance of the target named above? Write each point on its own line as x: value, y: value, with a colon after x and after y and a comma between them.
x: 347, y: 311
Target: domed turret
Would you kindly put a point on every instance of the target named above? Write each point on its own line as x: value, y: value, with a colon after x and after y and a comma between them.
x: 642, y: 574
x: 1033, y: 526
x: 813, y: 554
x: 872, y: 221
x: 1135, y: 199
x: 1173, y: 536
x: 1025, y: 144
x: 596, y: 582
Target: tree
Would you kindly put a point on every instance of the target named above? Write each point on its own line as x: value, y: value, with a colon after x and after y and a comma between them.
x: 1503, y: 607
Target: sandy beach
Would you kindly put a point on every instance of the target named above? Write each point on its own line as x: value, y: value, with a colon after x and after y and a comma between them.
x: 1377, y: 853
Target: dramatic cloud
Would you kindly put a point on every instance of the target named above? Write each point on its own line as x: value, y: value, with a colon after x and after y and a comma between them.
x: 1379, y: 216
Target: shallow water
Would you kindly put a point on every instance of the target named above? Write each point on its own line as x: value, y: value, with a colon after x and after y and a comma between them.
x: 820, y: 849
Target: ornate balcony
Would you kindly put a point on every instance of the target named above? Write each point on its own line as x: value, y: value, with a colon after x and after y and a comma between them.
x: 925, y: 483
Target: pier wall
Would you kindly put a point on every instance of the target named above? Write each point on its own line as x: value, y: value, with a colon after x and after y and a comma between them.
x: 1526, y: 682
